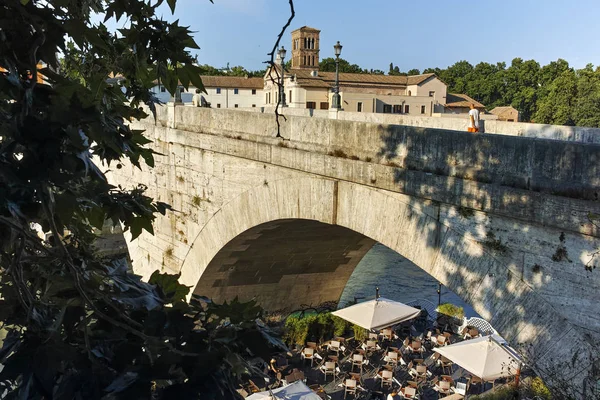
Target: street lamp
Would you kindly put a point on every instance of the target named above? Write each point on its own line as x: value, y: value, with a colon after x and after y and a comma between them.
x: 281, y: 53
x: 336, y: 90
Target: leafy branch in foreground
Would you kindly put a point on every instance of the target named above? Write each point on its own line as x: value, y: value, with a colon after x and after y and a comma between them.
x: 77, y: 325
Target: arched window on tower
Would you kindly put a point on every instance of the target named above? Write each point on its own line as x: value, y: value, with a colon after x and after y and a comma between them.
x: 313, y: 61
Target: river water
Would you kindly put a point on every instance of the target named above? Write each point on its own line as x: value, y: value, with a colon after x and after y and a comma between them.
x: 397, y: 278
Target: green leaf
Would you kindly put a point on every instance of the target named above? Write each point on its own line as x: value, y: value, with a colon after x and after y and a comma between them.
x: 172, y: 4
x: 172, y: 290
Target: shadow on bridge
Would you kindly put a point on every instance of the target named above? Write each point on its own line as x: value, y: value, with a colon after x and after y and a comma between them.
x: 506, y: 281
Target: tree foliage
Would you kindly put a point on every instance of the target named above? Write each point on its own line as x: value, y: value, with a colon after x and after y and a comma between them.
x: 77, y: 325
x: 328, y: 65
x: 550, y: 94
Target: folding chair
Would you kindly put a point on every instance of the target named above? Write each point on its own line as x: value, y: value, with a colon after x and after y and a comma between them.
x: 329, y: 368
x: 350, y: 387
x: 387, y: 378
x: 308, y: 353
x: 358, y: 360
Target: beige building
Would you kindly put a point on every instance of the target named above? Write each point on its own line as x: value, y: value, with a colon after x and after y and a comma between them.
x: 506, y: 113
x: 222, y: 92
x: 305, y: 86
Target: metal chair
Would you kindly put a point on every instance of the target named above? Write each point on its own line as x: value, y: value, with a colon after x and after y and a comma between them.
x: 350, y: 387
x: 308, y: 353
x: 329, y: 368
x: 358, y: 360
x: 387, y: 378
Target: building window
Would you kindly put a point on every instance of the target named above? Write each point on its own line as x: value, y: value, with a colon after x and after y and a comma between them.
x: 397, y: 108
x: 311, y: 104
x: 162, y: 89
x: 218, y: 105
x: 218, y: 90
x: 236, y: 91
x: 387, y: 109
x: 409, y: 93
x: 432, y: 94
x: 266, y: 98
x: 253, y: 91
x: 290, y: 97
x: 422, y: 109
x: 359, y: 106
x: 269, y: 98
x: 235, y: 106
x: 406, y: 109
x: 324, y: 105
x: 253, y: 105
x: 313, y: 61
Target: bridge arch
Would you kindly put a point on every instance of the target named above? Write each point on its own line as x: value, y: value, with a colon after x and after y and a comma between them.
x: 410, y: 227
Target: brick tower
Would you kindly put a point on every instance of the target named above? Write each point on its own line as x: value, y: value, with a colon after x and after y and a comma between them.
x: 305, y: 48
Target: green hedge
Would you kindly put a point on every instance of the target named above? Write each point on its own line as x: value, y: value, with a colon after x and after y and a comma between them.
x: 451, y: 310
x: 319, y: 327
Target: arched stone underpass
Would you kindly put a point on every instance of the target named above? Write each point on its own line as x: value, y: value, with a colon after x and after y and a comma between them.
x: 285, y: 264
x: 556, y: 349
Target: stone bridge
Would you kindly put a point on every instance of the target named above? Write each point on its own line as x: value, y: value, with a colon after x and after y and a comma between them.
x: 500, y: 220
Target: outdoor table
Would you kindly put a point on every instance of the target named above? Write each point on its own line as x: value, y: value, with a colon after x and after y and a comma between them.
x: 333, y: 358
x: 418, y: 361
x: 454, y: 396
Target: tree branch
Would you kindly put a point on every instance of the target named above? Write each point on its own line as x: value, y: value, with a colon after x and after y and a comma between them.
x: 272, y: 66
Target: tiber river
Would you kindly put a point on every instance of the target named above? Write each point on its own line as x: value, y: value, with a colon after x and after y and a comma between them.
x: 397, y: 278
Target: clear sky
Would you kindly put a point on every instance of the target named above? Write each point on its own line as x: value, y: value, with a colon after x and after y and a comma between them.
x: 411, y: 34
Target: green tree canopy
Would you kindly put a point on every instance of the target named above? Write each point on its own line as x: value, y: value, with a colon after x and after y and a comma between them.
x: 77, y: 325
x: 328, y: 65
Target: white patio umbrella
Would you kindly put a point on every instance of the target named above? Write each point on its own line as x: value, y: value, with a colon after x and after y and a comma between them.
x: 296, y: 391
x: 487, y: 357
x: 377, y: 314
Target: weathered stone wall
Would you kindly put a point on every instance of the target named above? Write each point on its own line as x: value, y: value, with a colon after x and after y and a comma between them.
x: 493, y: 244
x: 489, y: 124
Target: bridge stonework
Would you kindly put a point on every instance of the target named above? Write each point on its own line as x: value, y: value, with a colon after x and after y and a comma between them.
x: 501, y: 221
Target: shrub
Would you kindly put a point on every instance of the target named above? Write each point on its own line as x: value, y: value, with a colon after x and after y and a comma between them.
x: 504, y: 393
x: 296, y: 330
x: 353, y: 157
x: 360, y: 333
x: 339, y: 325
x: 537, y: 388
x: 451, y: 310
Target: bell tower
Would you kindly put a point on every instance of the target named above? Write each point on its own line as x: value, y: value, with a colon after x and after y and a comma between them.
x: 305, y: 48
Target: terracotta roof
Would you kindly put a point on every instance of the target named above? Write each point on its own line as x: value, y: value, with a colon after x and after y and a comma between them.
x: 306, y: 28
x: 502, y: 109
x: 239, y: 82
x: 324, y: 79
x: 461, y: 100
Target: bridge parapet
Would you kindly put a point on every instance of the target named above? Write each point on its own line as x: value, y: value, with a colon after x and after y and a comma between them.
x: 550, y: 182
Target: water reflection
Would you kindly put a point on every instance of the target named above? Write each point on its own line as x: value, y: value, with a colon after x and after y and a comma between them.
x: 398, y: 279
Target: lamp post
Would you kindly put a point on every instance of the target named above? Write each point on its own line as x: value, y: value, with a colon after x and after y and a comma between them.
x: 439, y: 292
x: 281, y: 53
x: 336, y: 90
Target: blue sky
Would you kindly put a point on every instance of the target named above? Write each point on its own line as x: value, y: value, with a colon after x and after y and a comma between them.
x: 411, y: 34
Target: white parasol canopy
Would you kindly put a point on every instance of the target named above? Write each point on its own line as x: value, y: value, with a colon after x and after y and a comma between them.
x: 377, y: 314
x: 487, y: 357
x: 296, y: 391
